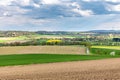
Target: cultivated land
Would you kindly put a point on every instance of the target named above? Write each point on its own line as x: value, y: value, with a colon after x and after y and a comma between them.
x: 30, y: 37
x: 25, y: 59
x: 108, y: 69
x: 107, y: 47
x: 42, y: 49
x: 13, y: 39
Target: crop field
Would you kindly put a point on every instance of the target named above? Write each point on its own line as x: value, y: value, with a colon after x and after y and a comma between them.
x: 42, y: 49
x: 56, y: 63
x: 107, y: 69
x: 30, y: 37
x: 107, y: 47
x: 12, y: 39
x: 23, y: 59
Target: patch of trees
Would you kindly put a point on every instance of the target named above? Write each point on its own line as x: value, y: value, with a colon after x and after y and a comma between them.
x: 14, y: 33
x: 44, y: 41
x: 116, y: 39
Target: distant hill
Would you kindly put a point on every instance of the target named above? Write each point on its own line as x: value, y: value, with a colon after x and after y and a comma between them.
x: 21, y: 33
x: 54, y: 32
x: 14, y: 33
x: 105, y: 31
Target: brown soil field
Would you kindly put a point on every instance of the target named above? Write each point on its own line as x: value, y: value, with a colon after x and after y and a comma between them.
x: 43, y: 49
x: 107, y: 69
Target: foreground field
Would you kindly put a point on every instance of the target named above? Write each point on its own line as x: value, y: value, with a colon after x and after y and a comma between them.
x: 43, y: 49
x: 108, y: 69
x: 25, y: 59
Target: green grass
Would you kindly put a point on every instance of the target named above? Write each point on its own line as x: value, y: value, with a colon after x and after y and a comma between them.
x: 102, y: 51
x: 105, y: 50
x: 24, y: 59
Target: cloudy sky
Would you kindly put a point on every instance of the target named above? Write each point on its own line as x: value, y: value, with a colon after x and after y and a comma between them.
x: 59, y: 15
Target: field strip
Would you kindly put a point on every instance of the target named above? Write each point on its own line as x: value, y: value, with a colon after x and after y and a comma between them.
x: 43, y: 49
x: 107, y: 47
x: 106, y: 69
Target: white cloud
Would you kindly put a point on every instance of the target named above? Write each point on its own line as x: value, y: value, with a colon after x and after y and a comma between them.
x: 78, y: 9
x: 6, y: 14
x: 24, y: 2
x: 36, y: 5
x: 12, y: 10
x: 75, y: 4
x: 83, y: 12
x: 61, y: 7
x: 115, y: 1
x: 5, y: 2
x: 50, y: 1
x: 113, y: 7
x: 90, y: 0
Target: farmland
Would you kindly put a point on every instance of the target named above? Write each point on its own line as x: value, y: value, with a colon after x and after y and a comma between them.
x: 67, y: 38
x: 83, y: 70
x: 24, y: 59
x: 42, y: 49
x: 105, y: 50
x: 12, y: 39
x: 107, y: 47
x: 30, y: 37
x: 23, y: 55
x: 59, y: 56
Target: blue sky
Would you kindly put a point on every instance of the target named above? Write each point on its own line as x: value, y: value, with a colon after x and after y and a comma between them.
x: 59, y: 15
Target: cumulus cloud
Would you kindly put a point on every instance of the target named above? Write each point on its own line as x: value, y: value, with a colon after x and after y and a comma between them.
x: 56, y: 8
x: 39, y: 12
x: 114, y: 1
x: 113, y: 7
x: 83, y: 12
x: 50, y: 1
x: 5, y: 2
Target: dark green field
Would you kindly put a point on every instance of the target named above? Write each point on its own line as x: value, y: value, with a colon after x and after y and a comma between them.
x: 24, y: 59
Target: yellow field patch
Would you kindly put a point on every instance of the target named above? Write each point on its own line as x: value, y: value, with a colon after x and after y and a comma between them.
x: 107, y: 47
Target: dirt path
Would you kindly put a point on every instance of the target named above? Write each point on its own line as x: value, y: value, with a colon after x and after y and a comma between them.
x: 108, y: 69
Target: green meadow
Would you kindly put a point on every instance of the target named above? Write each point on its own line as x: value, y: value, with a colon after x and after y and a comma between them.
x: 105, y: 50
x: 25, y: 59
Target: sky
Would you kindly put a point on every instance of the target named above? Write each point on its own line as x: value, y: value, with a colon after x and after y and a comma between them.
x: 59, y: 15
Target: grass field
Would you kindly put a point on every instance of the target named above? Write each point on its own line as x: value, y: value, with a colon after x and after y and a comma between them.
x: 105, y: 50
x: 24, y: 59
